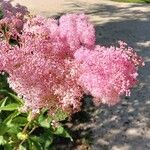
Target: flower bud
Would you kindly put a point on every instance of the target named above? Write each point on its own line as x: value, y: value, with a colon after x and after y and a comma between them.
x: 22, y: 136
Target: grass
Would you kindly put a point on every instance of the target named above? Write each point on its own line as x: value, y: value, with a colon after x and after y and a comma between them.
x: 133, y: 1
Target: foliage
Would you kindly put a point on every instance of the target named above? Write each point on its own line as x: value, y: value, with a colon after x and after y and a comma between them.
x: 20, y: 130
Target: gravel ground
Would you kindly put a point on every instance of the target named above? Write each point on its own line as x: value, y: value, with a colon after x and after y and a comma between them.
x: 125, y: 126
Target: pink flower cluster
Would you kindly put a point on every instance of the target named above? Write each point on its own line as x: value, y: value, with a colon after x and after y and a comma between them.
x: 57, y: 61
x: 107, y: 72
x: 12, y: 21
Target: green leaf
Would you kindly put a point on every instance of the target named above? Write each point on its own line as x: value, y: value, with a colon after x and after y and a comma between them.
x: 48, y: 142
x: 11, y: 95
x: 7, y: 147
x: 3, y: 91
x: 33, y: 145
x: 3, y: 129
x: 37, y: 139
x: 59, y: 130
x: 62, y: 132
x: 2, y: 140
x: 3, y: 101
x: 19, y: 100
x: 13, y: 129
x: 10, y: 107
x: 45, y: 121
x: 48, y: 138
x: 38, y: 142
x: 19, y: 121
x: 60, y: 115
x: 21, y: 147
x: 67, y: 135
x: 10, y: 117
x: 44, y: 141
x: 6, y: 124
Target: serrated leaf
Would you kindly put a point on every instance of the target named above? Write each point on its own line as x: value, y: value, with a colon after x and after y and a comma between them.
x: 10, y: 107
x: 60, y: 115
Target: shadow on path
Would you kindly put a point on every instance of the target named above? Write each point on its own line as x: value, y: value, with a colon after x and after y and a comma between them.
x: 125, y: 126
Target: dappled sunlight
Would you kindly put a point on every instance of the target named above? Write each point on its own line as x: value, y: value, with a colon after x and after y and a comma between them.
x: 133, y: 132
x: 122, y: 147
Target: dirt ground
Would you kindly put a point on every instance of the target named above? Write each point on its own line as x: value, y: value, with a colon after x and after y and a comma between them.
x: 127, y: 125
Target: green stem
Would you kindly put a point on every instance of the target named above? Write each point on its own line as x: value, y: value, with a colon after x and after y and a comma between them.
x: 26, y: 127
x: 23, y: 131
